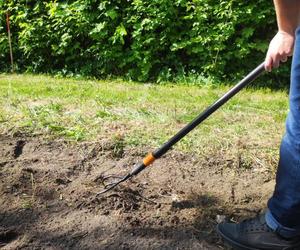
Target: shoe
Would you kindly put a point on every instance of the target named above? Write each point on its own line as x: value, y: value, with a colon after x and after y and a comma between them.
x: 254, y: 234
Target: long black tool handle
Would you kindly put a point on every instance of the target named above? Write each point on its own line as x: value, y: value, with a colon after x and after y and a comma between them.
x: 206, y: 113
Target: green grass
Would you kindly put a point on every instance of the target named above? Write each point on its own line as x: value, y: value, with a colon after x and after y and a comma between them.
x: 143, y: 114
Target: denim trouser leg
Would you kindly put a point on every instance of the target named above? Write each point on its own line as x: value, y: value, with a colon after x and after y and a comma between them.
x: 284, y: 205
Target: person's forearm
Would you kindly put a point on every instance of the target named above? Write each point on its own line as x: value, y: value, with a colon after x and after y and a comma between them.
x: 288, y: 15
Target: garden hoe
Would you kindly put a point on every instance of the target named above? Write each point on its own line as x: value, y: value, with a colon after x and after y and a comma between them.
x: 151, y: 157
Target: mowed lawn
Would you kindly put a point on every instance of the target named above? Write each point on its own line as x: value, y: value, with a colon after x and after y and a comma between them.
x: 145, y: 115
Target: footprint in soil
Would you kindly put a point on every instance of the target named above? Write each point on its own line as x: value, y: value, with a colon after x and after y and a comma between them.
x: 7, y: 236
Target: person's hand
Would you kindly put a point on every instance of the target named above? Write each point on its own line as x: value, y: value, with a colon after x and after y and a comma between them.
x: 280, y: 48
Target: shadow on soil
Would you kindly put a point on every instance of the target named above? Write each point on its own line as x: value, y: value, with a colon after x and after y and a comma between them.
x: 174, y: 231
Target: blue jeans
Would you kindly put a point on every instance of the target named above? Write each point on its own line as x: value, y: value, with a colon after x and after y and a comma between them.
x: 284, y: 206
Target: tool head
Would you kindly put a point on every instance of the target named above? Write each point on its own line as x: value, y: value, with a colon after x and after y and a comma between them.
x: 111, y: 181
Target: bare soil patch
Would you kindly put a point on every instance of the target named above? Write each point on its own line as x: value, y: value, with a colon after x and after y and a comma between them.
x: 48, y: 201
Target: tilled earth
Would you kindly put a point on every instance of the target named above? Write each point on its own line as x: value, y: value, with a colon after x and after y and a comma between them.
x: 48, y: 196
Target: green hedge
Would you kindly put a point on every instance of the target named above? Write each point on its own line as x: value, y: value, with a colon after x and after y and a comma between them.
x: 139, y: 39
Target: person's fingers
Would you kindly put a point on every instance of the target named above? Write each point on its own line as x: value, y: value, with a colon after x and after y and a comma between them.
x: 276, y: 61
x: 276, y: 58
x: 280, y: 48
x: 289, y: 51
x: 268, y: 63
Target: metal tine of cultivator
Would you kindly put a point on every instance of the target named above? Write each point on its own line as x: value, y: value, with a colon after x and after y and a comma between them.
x: 113, y: 184
x: 111, y: 176
x: 151, y: 157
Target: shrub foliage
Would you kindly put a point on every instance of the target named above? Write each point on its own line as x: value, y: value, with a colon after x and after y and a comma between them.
x: 141, y: 40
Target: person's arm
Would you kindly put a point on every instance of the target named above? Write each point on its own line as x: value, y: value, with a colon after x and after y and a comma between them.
x: 281, y: 46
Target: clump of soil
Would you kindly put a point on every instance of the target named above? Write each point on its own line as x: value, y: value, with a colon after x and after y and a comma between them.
x: 48, y: 197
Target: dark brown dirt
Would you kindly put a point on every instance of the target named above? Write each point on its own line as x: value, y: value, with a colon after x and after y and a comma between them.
x: 48, y: 201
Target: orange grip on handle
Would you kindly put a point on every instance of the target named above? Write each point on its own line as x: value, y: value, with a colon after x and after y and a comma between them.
x: 148, y: 159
